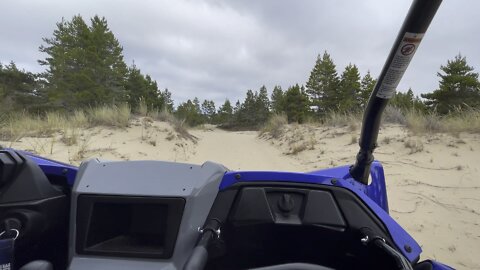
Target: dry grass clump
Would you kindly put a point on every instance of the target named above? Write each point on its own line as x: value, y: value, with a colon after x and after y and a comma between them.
x: 70, y: 136
x: 415, y: 146
x: 152, y: 142
x: 420, y: 123
x: 142, y: 107
x: 275, y: 126
x: 354, y: 139
x: 162, y: 115
x: 299, y: 139
x: 181, y: 128
x: 79, y: 119
x: 16, y: 126
x: 394, y: 115
x: 54, y: 121
x: 297, y: 148
x: 170, y: 136
x: 386, y: 140
x: 337, y: 119
x: 466, y: 120
x: 110, y: 115
x: 179, y: 125
x: 463, y: 121
x: 82, y: 149
x: 460, y: 121
x: 311, y: 143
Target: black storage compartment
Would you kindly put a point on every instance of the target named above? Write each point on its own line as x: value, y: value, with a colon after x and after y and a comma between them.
x: 128, y: 226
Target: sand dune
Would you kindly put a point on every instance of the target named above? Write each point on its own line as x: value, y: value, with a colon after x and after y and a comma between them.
x: 433, y: 182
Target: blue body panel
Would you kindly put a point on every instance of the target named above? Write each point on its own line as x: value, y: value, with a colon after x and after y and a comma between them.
x: 374, y: 195
x: 52, y: 167
x: 376, y: 190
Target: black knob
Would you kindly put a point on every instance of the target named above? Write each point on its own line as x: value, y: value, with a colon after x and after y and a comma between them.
x: 286, y: 203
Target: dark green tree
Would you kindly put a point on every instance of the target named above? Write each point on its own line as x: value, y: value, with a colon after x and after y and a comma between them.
x: 366, y: 88
x: 277, y: 98
x: 254, y: 111
x: 140, y: 87
x: 237, y: 108
x: 196, y: 103
x: 323, y: 84
x: 106, y: 60
x: 153, y: 96
x: 407, y: 101
x: 209, y: 110
x: 349, y: 90
x: 296, y: 104
x: 246, y: 114
x: 190, y: 112
x: 314, y: 89
x: 262, y: 106
x: 17, y: 89
x: 84, y: 64
x: 225, y: 113
x: 459, y: 87
x: 167, y: 100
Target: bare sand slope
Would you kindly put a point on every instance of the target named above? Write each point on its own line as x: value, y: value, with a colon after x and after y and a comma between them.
x: 240, y: 151
x: 432, y: 180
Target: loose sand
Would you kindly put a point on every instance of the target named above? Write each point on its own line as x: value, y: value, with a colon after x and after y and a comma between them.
x: 432, y: 180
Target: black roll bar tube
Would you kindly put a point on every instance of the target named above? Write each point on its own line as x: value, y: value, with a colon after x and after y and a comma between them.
x: 414, y: 27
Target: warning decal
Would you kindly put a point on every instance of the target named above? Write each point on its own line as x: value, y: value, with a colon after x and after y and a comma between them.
x: 401, y: 59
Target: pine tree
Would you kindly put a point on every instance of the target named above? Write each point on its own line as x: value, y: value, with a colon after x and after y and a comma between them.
x: 208, y: 110
x: 166, y: 96
x: 296, y: 104
x: 247, y: 110
x: 66, y: 76
x: 140, y: 87
x: 238, y: 107
x: 459, y: 87
x: 349, y: 90
x: 277, y: 98
x: 196, y: 104
x: 366, y: 88
x: 225, y: 113
x: 136, y: 86
x: 262, y: 106
x: 106, y: 62
x: 153, y: 95
x: 322, y: 86
x: 84, y: 64
x: 313, y: 84
x: 17, y: 89
x: 190, y: 112
x: 407, y: 101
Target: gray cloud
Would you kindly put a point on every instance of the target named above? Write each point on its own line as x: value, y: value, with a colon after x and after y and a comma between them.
x: 216, y: 49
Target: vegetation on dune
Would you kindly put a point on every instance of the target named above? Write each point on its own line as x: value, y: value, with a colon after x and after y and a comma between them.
x: 275, y: 126
x: 459, y: 88
x: 87, y: 82
x: 16, y: 125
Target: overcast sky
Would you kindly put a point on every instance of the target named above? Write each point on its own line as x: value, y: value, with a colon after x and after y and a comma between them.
x: 217, y: 49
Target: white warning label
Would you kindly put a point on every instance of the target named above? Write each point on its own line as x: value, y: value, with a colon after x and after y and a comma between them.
x: 401, y: 59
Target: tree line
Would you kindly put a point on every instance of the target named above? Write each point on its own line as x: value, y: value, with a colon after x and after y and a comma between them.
x: 85, y: 67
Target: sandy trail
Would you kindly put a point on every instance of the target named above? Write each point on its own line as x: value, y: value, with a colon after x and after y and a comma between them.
x: 240, y: 151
